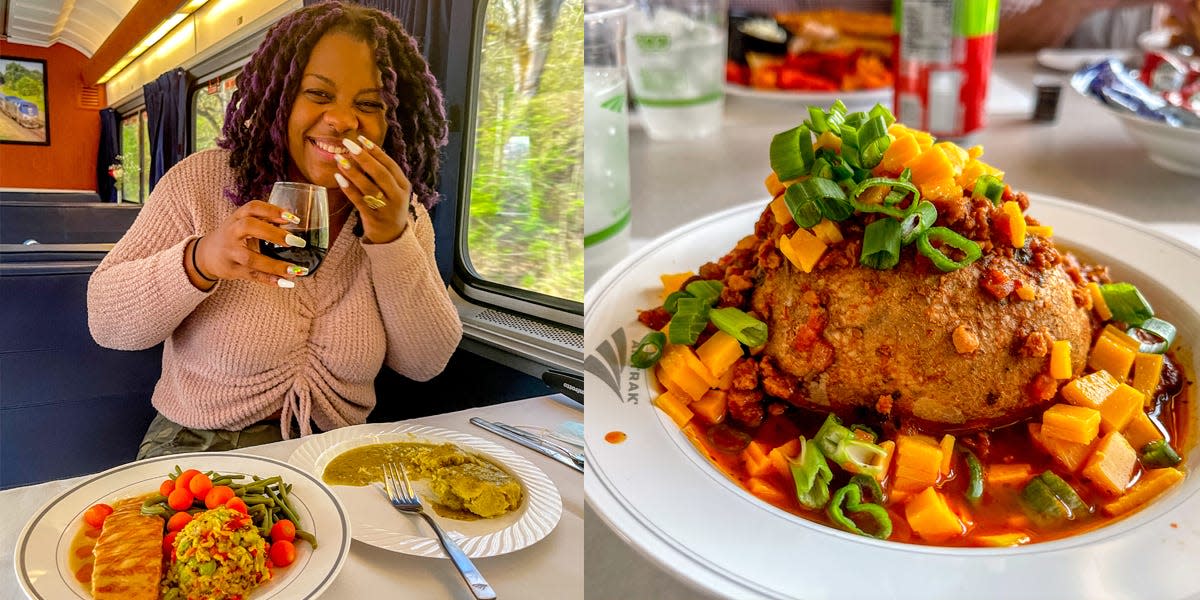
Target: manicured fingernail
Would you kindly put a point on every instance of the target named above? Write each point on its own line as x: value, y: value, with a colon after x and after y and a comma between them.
x: 293, y: 219
x: 354, y: 149
x: 285, y: 283
x: 343, y: 162
x: 297, y: 270
x: 368, y: 144
x: 295, y: 241
x: 342, y: 181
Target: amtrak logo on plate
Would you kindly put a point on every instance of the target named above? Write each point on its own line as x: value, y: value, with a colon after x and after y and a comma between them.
x: 608, y: 363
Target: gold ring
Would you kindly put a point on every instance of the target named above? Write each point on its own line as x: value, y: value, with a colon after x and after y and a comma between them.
x: 374, y: 202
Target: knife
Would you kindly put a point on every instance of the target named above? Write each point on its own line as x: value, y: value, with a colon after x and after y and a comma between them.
x: 535, y: 444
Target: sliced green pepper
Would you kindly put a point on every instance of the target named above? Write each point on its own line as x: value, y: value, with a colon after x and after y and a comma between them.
x: 812, y: 475
x: 649, y: 350
x: 848, y: 499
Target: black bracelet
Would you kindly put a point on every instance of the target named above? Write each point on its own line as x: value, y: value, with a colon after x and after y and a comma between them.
x: 196, y: 265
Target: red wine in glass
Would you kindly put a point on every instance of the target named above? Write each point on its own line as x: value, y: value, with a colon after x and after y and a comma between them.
x: 309, y: 202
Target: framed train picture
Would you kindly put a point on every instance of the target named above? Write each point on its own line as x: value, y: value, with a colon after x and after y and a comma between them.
x: 24, y: 112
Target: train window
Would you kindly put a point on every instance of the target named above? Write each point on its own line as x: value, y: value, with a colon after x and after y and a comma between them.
x: 135, y: 157
x: 208, y: 110
x: 524, y: 225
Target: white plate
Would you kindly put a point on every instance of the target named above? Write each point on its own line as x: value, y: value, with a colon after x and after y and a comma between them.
x: 41, y: 554
x: 1069, y: 60
x: 853, y: 100
x: 374, y: 521
x: 659, y: 494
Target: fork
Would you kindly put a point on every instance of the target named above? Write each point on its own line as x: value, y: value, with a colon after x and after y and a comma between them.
x: 400, y: 492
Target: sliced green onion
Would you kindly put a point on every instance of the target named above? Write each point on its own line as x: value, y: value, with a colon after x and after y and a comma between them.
x: 1161, y: 329
x: 970, y: 249
x: 705, y: 290
x: 671, y: 304
x: 821, y: 168
x: 918, y: 222
x: 820, y: 121
x: 849, y: 135
x: 649, y: 350
x: 803, y: 207
x: 688, y: 322
x: 831, y: 433
x: 858, y: 456
x: 839, y: 107
x: 988, y: 186
x: 873, y: 140
x: 812, y: 475
x: 1159, y: 454
x: 856, y: 119
x: 743, y: 327
x: 848, y: 499
x: 1126, y: 303
x: 791, y: 153
x: 881, y: 244
x: 975, y: 478
x: 884, y: 113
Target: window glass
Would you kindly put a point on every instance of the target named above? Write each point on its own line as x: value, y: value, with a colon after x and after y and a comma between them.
x: 131, y: 176
x: 144, y: 154
x: 525, y: 223
x: 208, y: 111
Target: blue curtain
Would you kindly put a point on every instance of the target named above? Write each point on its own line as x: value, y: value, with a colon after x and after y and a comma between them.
x: 110, y: 147
x: 166, y: 115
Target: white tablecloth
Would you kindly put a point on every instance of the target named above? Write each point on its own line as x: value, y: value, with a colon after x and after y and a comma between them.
x: 551, y: 568
x: 1084, y: 156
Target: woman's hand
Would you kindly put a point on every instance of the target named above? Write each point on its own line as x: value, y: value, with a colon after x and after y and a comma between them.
x: 377, y: 186
x: 231, y: 252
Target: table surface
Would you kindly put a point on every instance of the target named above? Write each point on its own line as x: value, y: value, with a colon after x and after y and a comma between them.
x: 550, y: 568
x: 1084, y: 156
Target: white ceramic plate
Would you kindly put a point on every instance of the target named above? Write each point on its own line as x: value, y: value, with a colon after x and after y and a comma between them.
x: 41, y: 553
x: 666, y: 500
x: 853, y: 100
x: 375, y: 522
x: 1069, y: 60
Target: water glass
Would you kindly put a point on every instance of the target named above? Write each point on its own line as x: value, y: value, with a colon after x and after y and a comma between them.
x: 311, y: 204
x: 677, y: 52
x: 606, y: 208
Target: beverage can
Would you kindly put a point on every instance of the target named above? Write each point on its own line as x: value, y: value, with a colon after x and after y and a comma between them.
x: 944, y: 52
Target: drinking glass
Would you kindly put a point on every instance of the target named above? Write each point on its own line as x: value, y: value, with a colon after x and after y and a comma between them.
x: 310, y: 203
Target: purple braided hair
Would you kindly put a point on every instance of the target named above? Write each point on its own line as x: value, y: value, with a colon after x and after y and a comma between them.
x: 255, y: 130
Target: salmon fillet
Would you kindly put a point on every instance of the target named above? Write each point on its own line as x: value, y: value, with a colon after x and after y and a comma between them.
x: 128, y: 554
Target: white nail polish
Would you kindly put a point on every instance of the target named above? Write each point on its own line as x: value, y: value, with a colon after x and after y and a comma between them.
x: 354, y: 149
x: 342, y: 181
x: 368, y: 144
x: 295, y: 241
x: 286, y: 284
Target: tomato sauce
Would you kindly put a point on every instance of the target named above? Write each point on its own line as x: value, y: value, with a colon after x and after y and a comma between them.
x: 1000, y: 510
x: 615, y: 437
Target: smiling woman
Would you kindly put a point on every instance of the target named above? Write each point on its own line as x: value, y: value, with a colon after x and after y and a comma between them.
x: 336, y: 96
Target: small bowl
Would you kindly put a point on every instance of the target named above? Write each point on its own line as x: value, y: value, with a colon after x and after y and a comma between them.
x: 1172, y: 148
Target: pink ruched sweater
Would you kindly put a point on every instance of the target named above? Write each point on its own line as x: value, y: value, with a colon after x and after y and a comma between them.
x: 242, y: 351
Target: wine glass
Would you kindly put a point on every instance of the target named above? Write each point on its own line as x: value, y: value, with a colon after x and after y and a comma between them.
x: 310, y: 203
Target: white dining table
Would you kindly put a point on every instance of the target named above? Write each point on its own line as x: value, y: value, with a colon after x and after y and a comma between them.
x: 1084, y: 156
x: 550, y: 568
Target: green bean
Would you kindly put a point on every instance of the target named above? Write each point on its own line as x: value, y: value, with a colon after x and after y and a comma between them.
x: 308, y: 537
x: 222, y: 481
x: 155, y: 499
x: 256, y: 499
x: 285, y: 505
x: 159, y: 511
x: 262, y: 483
x: 177, y: 473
